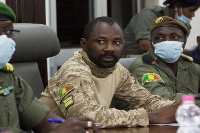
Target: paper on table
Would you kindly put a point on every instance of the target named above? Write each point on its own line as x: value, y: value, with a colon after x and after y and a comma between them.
x: 168, y: 124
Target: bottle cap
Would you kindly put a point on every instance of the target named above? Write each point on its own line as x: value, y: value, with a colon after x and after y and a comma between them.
x: 188, y: 98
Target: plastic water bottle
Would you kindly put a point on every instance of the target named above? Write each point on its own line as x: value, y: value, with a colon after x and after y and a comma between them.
x: 188, y: 115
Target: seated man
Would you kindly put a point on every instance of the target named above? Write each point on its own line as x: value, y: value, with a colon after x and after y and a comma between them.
x: 168, y: 40
x: 87, y: 82
x: 19, y: 108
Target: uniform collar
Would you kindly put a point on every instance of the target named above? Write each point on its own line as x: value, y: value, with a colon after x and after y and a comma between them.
x: 96, y: 70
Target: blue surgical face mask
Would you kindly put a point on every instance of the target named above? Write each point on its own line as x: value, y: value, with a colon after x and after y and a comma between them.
x: 7, y: 48
x: 182, y: 18
x: 168, y: 51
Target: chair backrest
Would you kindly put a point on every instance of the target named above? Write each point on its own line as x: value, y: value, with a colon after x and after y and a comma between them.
x: 126, y: 62
x: 35, y: 42
x: 61, y: 58
x: 65, y: 54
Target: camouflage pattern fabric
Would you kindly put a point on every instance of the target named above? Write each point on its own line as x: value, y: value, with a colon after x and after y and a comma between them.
x: 75, y: 91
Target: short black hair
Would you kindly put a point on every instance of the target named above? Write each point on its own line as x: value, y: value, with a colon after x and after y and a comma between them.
x: 90, y: 25
x: 183, y: 3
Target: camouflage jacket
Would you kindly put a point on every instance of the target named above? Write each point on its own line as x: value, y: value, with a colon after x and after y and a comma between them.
x: 75, y: 91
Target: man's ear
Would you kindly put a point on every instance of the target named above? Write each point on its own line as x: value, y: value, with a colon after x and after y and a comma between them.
x: 83, y: 43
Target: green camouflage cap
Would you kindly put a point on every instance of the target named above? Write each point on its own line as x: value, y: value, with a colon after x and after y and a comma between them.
x: 6, y: 13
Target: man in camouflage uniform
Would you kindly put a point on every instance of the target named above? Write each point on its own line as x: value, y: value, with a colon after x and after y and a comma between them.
x: 172, y: 32
x: 19, y: 108
x: 87, y: 82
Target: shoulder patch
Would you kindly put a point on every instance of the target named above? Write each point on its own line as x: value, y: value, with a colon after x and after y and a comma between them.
x: 187, y: 57
x: 68, y: 102
x: 148, y: 77
x: 6, y: 91
x: 66, y: 89
x: 8, y: 68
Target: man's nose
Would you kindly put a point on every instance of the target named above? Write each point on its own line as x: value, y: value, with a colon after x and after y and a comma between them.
x: 168, y: 39
x: 109, y: 47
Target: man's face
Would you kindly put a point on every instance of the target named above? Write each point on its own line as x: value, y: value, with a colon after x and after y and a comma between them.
x: 4, y: 26
x: 104, y: 45
x: 167, y: 34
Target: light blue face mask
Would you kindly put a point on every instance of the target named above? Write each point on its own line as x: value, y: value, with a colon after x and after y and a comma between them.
x: 182, y: 18
x: 7, y: 48
x: 168, y: 51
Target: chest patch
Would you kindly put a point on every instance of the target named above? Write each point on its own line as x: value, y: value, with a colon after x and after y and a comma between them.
x: 6, y: 91
x: 149, y: 77
x: 66, y: 89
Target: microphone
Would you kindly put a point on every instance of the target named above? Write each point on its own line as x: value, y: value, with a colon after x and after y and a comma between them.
x: 150, y: 60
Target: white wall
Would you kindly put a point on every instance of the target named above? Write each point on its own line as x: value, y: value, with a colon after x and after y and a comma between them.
x: 160, y: 2
x: 195, y: 23
x: 150, y: 3
x: 4, y: 1
x: 195, y: 31
x: 100, y: 8
x: 51, y: 20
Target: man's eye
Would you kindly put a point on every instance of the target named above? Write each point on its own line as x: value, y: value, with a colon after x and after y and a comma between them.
x: 8, y: 32
x: 159, y: 38
x: 117, y: 42
x: 175, y: 37
x: 100, y: 41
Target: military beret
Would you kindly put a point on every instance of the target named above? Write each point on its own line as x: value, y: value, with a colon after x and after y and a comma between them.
x: 6, y: 13
x: 166, y: 21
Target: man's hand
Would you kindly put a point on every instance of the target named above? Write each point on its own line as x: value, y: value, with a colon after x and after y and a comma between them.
x: 165, y: 114
x: 76, y: 125
x: 71, y: 125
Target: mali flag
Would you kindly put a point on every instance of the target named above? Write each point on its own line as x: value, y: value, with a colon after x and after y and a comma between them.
x: 148, y: 77
x: 66, y: 89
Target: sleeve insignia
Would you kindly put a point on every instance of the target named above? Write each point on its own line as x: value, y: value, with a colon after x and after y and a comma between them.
x: 148, y: 77
x: 66, y: 89
x: 6, y: 91
x: 68, y: 102
x: 8, y: 68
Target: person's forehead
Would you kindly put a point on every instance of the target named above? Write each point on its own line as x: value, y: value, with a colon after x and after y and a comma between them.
x: 6, y: 24
x: 167, y: 30
x: 102, y: 27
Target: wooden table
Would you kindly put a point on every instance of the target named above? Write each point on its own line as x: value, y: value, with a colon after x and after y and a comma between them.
x: 149, y: 129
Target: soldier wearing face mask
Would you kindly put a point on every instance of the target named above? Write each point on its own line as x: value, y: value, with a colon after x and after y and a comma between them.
x: 137, y: 32
x: 168, y: 41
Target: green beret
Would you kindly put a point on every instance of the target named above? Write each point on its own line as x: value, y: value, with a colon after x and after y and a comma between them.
x: 166, y: 21
x: 6, y: 13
